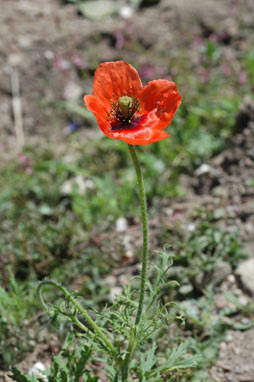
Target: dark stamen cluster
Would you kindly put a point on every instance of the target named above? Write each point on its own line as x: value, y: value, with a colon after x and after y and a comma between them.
x: 123, y: 111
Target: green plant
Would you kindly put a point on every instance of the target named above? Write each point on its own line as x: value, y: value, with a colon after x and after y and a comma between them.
x: 119, y: 332
x: 118, y: 326
x: 16, y: 307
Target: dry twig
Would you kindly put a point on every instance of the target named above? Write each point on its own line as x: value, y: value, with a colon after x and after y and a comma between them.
x: 17, y: 109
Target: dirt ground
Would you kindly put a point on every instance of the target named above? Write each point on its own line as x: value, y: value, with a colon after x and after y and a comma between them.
x: 226, y: 179
x: 47, y: 42
x: 36, y: 35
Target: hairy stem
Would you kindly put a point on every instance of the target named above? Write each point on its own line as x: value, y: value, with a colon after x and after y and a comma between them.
x: 128, y: 357
x: 145, y: 230
x: 81, y: 310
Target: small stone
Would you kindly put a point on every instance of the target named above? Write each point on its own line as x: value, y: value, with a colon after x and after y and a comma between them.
x: 121, y: 224
x: 24, y: 41
x: 159, y: 166
x: 37, y: 370
x: 97, y: 10
x: 243, y: 300
x: 223, y: 346
x: 129, y: 252
x: 249, y: 227
x: 124, y: 279
x: 169, y: 211
x: 199, y: 279
x: 49, y: 55
x: 245, y: 320
x: 191, y: 227
x: 110, y: 280
x: 238, y: 292
x: 237, y: 350
x: 206, y: 169
x: 67, y: 187
x: 245, y: 272
x: 221, y: 272
x: 115, y: 291
x: 220, y: 301
x: 126, y: 12
x: 229, y: 338
x: 14, y: 59
x: 231, y: 279
x: 186, y: 289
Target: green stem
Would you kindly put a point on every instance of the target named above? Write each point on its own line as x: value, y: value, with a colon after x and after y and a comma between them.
x: 81, y: 310
x: 145, y: 230
x: 129, y: 353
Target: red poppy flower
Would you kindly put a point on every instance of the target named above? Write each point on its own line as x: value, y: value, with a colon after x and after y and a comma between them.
x: 127, y: 111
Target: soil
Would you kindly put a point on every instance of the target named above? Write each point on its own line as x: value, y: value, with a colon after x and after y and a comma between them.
x: 47, y: 43
x: 236, y: 362
x: 228, y: 178
x: 233, y: 198
x: 41, y: 41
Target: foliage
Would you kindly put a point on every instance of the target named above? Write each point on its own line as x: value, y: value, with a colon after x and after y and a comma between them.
x: 199, y: 253
x: 73, y: 370
x: 16, y: 306
x: 117, y: 323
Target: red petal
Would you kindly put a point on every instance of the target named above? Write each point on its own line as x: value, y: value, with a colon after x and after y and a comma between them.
x: 160, y: 97
x: 144, y: 134
x: 138, y: 138
x: 92, y: 103
x: 100, y: 113
x: 115, y: 79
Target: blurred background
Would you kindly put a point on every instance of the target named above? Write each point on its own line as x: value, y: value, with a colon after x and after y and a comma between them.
x: 68, y: 199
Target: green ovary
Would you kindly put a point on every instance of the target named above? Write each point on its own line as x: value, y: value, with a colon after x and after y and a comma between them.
x: 125, y: 105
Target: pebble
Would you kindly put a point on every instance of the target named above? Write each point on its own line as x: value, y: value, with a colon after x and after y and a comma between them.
x: 49, y: 55
x: 243, y: 300
x: 238, y: 292
x: 229, y: 338
x: 121, y: 224
x: 37, y: 370
x: 14, y: 59
x: 231, y: 279
x: 221, y: 272
x: 245, y: 272
x: 110, y: 280
x: 115, y: 291
x: 126, y: 12
x: 245, y: 320
x: 206, y: 169
x: 191, y: 227
x: 220, y: 301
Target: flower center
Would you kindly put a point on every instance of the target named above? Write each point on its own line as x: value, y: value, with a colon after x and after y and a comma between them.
x: 123, y: 111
